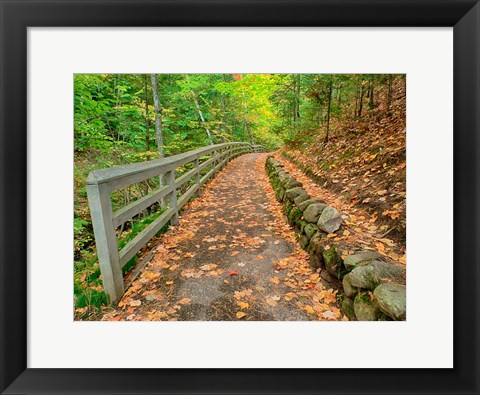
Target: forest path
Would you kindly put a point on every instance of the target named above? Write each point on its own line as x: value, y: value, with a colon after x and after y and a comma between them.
x: 232, y: 257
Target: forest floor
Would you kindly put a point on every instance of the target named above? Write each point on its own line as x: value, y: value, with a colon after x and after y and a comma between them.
x: 364, y: 163
x: 232, y: 257
x: 362, y: 229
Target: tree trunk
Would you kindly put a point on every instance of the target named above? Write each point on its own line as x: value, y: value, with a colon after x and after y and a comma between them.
x: 158, y: 116
x: 246, y: 118
x: 389, y: 97
x: 296, y: 100
x: 203, y: 119
x: 357, y: 95
x: 158, y: 123
x: 360, y: 104
x: 147, y: 123
x: 330, y: 89
x: 370, y: 94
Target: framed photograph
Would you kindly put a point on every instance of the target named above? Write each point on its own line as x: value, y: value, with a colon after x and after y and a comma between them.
x: 241, y: 176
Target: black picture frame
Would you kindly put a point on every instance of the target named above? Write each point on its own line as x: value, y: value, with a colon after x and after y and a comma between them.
x: 18, y: 15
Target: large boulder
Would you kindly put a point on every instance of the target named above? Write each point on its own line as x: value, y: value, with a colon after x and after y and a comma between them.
x: 392, y: 300
x: 313, y: 212
x: 303, y: 206
x: 365, y: 308
x: 361, y: 259
x: 329, y: 220
x: 376, y: 273
x: 295, y: 192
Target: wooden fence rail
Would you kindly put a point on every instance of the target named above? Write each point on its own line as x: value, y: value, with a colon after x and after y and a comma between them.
x: 206, y: 162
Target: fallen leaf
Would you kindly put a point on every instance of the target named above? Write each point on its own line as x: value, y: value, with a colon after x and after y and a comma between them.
x: 232, y: 273
x: 135, y: 303
x: 240, y: 314
x: 309, y: 309
x: 328, y: 314
x: 243, y: 305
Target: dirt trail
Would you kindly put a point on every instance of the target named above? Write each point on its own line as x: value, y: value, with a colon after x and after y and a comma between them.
x: 233, y: 257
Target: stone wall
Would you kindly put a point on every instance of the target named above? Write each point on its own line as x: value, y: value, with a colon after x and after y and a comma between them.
x: 373, y: 286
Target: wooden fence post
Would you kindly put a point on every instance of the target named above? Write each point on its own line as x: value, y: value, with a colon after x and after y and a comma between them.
x: 172, y: 196
x: 106, y: 240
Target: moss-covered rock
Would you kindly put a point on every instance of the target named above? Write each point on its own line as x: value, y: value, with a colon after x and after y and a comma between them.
x: 291, y: 183
x: 299, y: 199
x: 329, y: 220
x: 294, y: 216
x: 348, y: 308
x: 348, y: 288
x: 392, y: 299
x: 287, y: 207
x: 313, y: 211
x: 384, y: 317
x: 376, y: 273
x: 303, y: 224
x: 280, y: 194
x: 315, y: 249
x: 315, y: 246
x: 295, y: 192
x: 303, y: 206
x: 303, y: 241
x: 361, y: 259
x: 316, y: 261
x: 365, y: 308
x: 310, y: 230
x: 333, y: 261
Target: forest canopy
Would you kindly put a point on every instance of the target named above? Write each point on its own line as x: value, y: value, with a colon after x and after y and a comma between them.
x: 118, y: 110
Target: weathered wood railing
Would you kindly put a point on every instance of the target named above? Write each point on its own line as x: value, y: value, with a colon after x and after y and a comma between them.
x: 101, y: 183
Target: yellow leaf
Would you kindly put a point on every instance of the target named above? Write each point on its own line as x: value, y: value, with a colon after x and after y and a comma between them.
x: 169, y: 282
x: 309, y: 309
x: 403, y: 259
x: 240, y: 314
x: 243, y: 305
x: 331, y: 235
x: 346, y: 232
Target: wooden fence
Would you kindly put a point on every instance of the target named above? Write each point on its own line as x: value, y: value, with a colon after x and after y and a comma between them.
x: 206, y: 162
